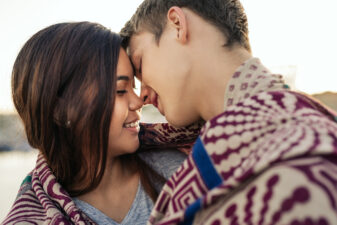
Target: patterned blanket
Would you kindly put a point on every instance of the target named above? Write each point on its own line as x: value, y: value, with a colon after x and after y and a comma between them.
x: 42, y: 200
x: 270, y: 159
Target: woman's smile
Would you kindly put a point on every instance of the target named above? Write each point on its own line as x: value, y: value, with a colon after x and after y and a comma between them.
x: 132, y: 126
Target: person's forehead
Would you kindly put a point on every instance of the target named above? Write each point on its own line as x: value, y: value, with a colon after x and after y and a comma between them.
x: 138, y: 41
x: 124, y: 65
x: 133, y: 45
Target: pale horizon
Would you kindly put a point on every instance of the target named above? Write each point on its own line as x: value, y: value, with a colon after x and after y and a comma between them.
x: 289, y: 36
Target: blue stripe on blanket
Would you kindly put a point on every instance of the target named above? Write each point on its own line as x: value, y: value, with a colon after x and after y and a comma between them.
x: 205, y: 165
x: 208, y: 174
x: 190, y: 211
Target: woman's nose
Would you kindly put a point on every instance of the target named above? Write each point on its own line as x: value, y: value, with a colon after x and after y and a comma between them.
x: 135, y: 102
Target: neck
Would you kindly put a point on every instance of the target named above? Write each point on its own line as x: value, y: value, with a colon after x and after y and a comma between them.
x: 116, y: 191
x: 116, y: 175
x: 212, y: 78
x: 213, y: 65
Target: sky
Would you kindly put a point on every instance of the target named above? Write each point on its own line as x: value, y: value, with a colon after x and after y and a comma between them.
x: 289, y: 36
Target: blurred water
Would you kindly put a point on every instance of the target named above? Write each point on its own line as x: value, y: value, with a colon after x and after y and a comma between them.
x: 14, y: 167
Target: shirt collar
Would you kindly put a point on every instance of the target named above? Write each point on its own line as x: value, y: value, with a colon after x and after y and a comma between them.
x: 249, y: 79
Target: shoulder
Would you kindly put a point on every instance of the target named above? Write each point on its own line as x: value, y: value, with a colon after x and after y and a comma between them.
x: 292, y: 192
x: 25, y: 203
x: 26, y: 185
x: 295, y: 190
x: 165, y: 162
x: 269, y: 127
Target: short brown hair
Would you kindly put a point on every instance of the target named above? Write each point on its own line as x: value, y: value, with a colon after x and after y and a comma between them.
x: 227, y: 15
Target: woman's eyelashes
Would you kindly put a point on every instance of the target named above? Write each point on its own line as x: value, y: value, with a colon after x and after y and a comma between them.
x: 123, y: 82
x: 127, y: 87
x: 122, y: 87
x: 121, y: 92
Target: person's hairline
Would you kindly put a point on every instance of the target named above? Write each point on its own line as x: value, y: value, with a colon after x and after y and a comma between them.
x: 142, y: 26
x: 130, y: 53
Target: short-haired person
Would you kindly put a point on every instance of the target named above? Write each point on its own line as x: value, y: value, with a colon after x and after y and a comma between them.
x: 73, y: 87
x: 266, y: 155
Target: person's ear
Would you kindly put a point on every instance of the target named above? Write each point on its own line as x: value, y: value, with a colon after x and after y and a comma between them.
x: 177, y: 19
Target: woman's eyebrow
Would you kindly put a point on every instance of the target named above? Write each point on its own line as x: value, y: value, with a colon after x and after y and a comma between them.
x: 123, y: 77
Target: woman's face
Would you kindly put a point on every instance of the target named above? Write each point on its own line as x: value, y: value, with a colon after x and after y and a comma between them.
x: 124, y: 126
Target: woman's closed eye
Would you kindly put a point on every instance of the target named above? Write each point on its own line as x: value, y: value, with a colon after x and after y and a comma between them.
x: 122, y: 84
x: 122, y: 92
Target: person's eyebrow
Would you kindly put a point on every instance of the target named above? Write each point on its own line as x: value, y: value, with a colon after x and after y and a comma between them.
x: 123, y: 77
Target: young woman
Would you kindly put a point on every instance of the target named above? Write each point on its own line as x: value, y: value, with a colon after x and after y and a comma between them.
x: 72, y: 86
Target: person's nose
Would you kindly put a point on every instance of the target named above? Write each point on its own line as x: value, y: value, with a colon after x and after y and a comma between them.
x: 145, y: 94
x: 135, y: 102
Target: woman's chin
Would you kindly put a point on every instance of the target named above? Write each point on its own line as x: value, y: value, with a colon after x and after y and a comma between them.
x: 132, y: 148
x: 129, y: 148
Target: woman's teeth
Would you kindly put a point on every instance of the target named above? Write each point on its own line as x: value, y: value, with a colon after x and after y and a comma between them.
x: 131, y: 125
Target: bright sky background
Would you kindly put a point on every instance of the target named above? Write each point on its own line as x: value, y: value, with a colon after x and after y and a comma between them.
x: 290, y: 36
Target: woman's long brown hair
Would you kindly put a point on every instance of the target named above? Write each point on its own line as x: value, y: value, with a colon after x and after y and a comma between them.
x: 63, y: 87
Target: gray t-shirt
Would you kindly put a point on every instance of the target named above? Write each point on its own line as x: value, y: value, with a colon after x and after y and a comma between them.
x: 165, y: 162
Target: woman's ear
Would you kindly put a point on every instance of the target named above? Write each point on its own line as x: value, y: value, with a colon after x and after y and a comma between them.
x: 177, y: 19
